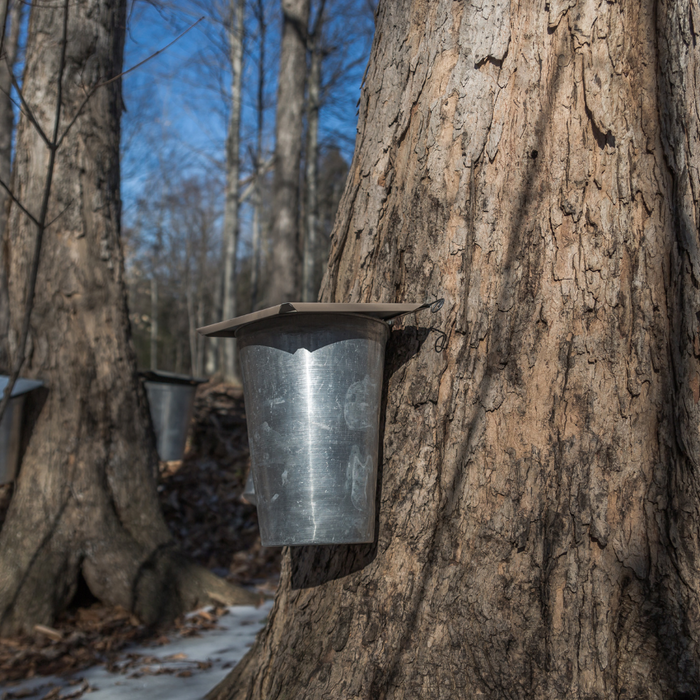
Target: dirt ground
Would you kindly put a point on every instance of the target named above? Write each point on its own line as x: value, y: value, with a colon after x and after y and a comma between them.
x: 201, y: 501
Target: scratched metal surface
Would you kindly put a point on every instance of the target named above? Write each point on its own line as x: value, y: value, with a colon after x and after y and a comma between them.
x: 313, y: 390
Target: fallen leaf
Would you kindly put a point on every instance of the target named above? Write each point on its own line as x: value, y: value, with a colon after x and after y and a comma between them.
x: 49, y: 632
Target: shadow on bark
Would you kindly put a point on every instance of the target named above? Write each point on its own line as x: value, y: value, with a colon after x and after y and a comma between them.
x: 33, y: 405
x: 315, y: 565
x: 669, y: 593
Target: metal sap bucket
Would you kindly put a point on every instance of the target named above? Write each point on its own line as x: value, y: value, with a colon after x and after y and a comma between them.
x: 11, y: 426
x: 171, y: 401
x: 313, y: 386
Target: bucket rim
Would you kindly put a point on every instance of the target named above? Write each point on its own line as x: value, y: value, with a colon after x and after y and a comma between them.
x: 22, y: 386
x: 300, y: 317
x: 378, y: 311
x: 160, y: 377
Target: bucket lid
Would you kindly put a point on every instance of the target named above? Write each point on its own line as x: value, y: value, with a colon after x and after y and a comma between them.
x: 227, y: 329
x: 152, y: 375
x: 22, y: 386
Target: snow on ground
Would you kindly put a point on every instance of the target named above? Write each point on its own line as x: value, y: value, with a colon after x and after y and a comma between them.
x: 186, y: 668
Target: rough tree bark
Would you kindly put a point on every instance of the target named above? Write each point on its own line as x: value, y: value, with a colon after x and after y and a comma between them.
x: 8, y: 57
x: 85, y: 502
x: 538, y: 517
x: 284, y: 276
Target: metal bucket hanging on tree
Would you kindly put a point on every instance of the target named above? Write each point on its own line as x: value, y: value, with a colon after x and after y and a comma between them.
x: 171, y: 402
x: 11, y: 426
x: 312, y: 383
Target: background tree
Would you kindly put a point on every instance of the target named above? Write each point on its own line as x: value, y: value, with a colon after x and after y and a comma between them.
x: 11, y: 15
x: 175, y: 241
x: 313, y: 104
x: 284, y: 282
x: 232, y: 199
x: 538, y: 512
x: 85, y: 503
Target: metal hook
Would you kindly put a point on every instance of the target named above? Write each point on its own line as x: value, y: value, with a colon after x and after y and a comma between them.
x: 436, y: 306
x: 440, y: 341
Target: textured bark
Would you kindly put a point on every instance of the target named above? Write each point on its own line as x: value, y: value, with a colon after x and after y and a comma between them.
x: 538, y: 513
x: 8, y: 57
x: 233, y: 139
x: 85, y: 501
x: 284, y: 276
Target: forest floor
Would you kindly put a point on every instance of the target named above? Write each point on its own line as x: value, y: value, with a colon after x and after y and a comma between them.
x: 202, y: 503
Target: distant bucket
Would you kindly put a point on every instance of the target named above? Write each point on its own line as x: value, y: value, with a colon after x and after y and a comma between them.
x: 312, y: 382
x: 11, y: 426
x: 171, y: 402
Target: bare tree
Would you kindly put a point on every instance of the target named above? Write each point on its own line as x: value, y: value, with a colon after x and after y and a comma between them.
x: 313, y: 104
x: 284, y: 276
x: 230, y: 237
x: 261, y: 22
x: 11, y: 16
x: 85, y: 502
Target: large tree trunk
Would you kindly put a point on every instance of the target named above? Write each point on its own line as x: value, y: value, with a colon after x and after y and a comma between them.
x: 85, y: 501
x: 8, y: 57
x: 538, y: 528
x: 284, y: 275
x: 230, y: 234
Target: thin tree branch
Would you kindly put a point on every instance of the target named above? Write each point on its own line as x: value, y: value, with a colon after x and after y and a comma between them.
x: 27, y: 108
x: 116, y: 77
x: 58, y: 216
x: 17, y: 202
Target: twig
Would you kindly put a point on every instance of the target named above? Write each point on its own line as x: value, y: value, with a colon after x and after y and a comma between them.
x: 28, y: 111
x: 56, y: 218
x: 17, y: 202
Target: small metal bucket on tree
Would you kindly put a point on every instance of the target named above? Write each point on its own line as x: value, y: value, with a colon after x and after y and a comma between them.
x: 171, y: 402
x: 312, y: 382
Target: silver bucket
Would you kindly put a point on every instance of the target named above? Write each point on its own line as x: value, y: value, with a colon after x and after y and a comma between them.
x: 171, y: 401
x: 11, y: 426
x: 312, y: 386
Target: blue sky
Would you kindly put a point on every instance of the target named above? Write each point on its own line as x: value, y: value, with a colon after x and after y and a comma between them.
x: 177, y: 103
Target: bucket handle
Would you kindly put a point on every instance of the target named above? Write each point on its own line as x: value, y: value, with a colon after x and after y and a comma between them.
x: 435, y: 306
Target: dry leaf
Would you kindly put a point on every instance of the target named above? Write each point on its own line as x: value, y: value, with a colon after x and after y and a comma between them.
x: 49, y: 632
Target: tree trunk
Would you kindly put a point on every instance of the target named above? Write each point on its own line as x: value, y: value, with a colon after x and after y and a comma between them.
x: 154, y: 321
x: 283, y: 281
x: 8, y: 57
x: 313, y: 103
x: 85, y: 502
x: 538, y: 512
x: 235, y: 34
x: 260, y: 120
